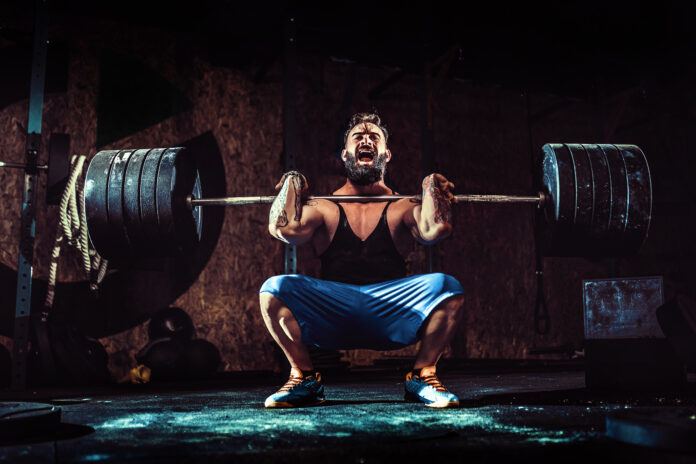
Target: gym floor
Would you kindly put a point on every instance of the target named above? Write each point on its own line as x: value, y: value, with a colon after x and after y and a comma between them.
x: 507, y: 412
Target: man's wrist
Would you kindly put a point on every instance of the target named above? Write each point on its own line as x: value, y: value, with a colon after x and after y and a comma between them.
x: 296, y: 177
x: 429, y: 186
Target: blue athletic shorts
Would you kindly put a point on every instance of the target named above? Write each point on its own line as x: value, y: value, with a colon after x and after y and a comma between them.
x: 382, y: 316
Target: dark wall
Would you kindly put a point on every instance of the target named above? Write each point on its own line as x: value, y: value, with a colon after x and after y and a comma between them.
x: 487, y: 137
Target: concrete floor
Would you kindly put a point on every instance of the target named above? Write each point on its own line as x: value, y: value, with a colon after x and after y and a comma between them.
x: 542, y: 416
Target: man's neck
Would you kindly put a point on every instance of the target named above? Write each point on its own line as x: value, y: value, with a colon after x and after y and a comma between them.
x: 377, y: 188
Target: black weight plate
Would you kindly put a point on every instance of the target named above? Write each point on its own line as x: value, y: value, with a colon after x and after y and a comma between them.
x: 613, y: 241
x: 148, y: 205
x: 197, y: 211
x: 558, y: 177
x: 176, y: 182
x: 601, y: 188
x: 96, y: 187
x: 164, y: 194
x: 639, y: 197
x: 131, y: 199
x: 584, y: 195
x: 188, y: 223
x: 558, y: 180
x: 119, y: 246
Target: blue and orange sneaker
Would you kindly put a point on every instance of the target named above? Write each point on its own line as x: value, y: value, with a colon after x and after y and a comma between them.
x: 302, y: 390
x: 424, y: 387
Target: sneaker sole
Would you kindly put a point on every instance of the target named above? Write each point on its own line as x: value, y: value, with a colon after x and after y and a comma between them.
x: 448, y: 404
x: 436, y: 405
x: 285, y: 404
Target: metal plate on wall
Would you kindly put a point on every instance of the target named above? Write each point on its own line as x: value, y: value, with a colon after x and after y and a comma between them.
x: 622, y: 308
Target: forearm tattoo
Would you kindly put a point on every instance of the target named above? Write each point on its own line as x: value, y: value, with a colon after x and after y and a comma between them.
x: 278, y: 215
x: 297, y: 184
x: 442, y: 213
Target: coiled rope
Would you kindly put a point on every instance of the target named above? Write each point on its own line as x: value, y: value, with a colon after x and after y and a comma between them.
x: 72, y: 231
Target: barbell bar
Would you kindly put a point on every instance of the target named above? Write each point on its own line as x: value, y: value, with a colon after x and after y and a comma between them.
x: 8, y: 164
x: 472, y: 198
x: 596, y: 200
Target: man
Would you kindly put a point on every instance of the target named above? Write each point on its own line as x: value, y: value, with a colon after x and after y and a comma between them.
x: 363, y: 299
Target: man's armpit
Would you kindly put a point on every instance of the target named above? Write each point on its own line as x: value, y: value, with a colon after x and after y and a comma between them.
x: 408, y: 218
x: 312, y: 215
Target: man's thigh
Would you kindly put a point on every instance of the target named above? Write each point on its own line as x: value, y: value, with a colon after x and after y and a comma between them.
x: 398, y: 308
x: 380, y: 316
x: 323, y: 309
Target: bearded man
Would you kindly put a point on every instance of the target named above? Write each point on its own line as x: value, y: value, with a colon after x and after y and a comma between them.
x: 363, y: 299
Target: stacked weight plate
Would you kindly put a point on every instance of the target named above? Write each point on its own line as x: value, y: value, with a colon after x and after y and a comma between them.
x: 136, y: 203
x: 600, y: 199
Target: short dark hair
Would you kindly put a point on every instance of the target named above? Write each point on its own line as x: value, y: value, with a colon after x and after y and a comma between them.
x: 359, y: 118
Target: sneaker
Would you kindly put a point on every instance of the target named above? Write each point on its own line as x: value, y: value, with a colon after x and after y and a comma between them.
x: 298, y: 391
x: 429, y: 390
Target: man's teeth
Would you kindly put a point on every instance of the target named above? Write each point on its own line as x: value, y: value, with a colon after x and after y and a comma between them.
x: 365, y: 155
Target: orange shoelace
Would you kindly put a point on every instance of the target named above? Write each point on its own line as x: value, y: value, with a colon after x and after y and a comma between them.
x: 434, y: 382
x: 292, y: 381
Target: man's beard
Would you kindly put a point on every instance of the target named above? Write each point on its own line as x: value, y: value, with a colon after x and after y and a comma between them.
x: 365, y: 174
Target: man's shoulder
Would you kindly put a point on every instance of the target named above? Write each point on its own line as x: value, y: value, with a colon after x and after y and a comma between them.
x: 401, y: 210
x: 324, y: 207
x: 404, y: 205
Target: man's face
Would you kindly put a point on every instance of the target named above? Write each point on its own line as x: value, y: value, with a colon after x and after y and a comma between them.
x: 366, y: 156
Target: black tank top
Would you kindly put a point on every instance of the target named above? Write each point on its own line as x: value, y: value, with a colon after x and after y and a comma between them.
x: 350, y: 260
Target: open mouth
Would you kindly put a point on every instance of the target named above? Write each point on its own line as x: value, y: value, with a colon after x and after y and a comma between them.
x: 366, y: 155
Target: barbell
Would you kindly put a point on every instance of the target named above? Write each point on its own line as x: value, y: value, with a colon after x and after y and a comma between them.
x: 596, y: 200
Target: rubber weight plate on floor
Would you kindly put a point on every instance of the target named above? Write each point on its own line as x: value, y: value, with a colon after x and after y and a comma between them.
x: 677, y: 319
x: 665, y: 428
x: 22, y: 421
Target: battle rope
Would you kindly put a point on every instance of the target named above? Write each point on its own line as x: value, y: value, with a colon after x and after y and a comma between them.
x: 72, y: 229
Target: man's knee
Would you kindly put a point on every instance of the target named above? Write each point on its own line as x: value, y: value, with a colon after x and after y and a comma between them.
x: 273, y: 307
x: 455, y: 301
x: 269, y: 303
x: 452, y: 308
x: 445, y: 283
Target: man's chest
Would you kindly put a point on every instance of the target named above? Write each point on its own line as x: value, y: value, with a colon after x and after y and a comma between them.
x: 361, y: 219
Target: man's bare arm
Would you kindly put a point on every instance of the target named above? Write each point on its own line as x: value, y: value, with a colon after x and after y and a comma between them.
x: 289, y: 220
x: 431, y: 221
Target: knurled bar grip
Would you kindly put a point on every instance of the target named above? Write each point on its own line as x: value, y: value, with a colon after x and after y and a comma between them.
x: 469, y: 198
